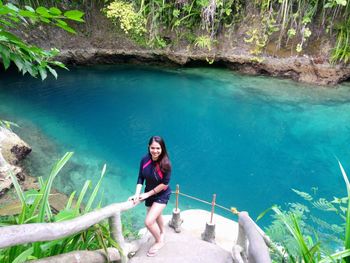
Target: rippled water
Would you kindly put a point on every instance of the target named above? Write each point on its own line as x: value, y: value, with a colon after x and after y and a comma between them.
x: 247, y: 139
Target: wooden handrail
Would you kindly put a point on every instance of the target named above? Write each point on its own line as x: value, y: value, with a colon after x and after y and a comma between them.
x: 255, y: 250
x: 28, y: 233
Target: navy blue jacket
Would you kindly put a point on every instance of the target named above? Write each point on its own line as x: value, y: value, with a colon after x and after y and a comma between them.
x: 150, y: 171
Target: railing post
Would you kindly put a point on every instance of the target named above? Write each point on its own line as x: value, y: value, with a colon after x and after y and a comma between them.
x: 209, y: 232
x: 176, y: 220
x: 115, y: 225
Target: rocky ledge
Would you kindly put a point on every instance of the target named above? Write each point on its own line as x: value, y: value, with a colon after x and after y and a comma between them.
x: 12, y: 150
x: 304, y: 69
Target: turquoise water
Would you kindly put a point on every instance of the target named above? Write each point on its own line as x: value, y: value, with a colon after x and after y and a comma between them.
x: 247, y: 139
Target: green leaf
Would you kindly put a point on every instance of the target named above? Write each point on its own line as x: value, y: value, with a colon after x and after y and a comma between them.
x: 304, y: 195
x: 27, y: 13
x: 6, y: 23
x: 30, y: 196
x: 336, y: 256
x: 81, y: 196
x: 94, y: 193
x: 43, y: 11
x: 325, y: 205
x: 5, y: 55
x: 42, y: 72
x: 66, y: 28
x: 47, y: 187
x: 347, y: 222
x: 70, y: 200
x: 59, y: 64
x: 29, y: 8
x: 341, y: 2
x: 75, y: 15
x: 12, y: 7
x: 55, y: 11
x: 45, y: 20
x: 52, y: 71
x: 20, y: 195
x: 65, y: 214
x: 4, y: 10
x: 24, y: 255
x: 61, y: 22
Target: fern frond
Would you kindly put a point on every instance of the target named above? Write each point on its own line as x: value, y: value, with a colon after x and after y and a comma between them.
x: 323, y: 204
x: 304, y: 195
x: 299, y: 208
x: 323, y: 224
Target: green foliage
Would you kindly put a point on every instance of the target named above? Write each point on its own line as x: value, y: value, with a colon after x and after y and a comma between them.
x: 341, y: 51
x: 304, y: 236
x: 124, y: 15
x: 203, y: 42
x: 159, y: 16
x: 36, y: 208
x: 29, y: 58
x: 297, y: 19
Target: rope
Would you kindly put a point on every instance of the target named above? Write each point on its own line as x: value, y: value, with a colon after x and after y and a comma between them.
x: 232, y: 210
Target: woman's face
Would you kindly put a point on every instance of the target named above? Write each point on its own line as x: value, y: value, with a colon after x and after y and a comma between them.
x: 155, y: 150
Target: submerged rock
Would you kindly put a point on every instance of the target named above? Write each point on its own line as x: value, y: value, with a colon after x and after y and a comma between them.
x: 12, y: 150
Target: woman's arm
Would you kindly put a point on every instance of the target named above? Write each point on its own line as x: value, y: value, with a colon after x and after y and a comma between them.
x: 136, y: 196
x: 153, y: 191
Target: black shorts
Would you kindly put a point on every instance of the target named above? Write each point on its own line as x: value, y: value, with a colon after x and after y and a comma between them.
x: 160, y: 199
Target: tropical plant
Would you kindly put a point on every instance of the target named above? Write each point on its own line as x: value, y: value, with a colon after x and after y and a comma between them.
x: 129, y: 20
x: 307, y: 238
x: 296, y: 20
x: 36, y: 208
x: 30, y: 58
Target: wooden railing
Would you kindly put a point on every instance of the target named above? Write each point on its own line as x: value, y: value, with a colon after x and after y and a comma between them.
x: 28, y: 233
x: 251, y: 246
x: 252, y: 243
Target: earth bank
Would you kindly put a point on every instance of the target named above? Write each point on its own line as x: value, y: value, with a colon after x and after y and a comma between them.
x: 99, y: 41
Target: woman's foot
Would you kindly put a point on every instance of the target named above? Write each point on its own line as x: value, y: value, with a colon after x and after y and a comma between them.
x: 154, y: 249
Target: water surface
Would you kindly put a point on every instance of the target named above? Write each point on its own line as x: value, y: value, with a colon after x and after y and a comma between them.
x: 247, y: 139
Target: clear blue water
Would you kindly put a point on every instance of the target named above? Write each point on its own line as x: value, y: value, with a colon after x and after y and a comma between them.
x: 247, y: 139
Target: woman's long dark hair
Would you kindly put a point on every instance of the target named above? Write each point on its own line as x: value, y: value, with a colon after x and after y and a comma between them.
x: 163, y: 159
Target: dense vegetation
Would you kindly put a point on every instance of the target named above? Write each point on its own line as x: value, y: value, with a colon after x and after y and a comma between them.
x: 297, y: 26
x: 289, y: 24
x: 30, y: 58
x: 36, y: 209
x: 302, y: 235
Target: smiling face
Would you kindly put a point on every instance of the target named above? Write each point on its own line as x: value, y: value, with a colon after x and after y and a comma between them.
x: 155, y: 150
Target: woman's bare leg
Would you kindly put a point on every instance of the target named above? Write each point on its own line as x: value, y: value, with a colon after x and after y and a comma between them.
x: 160, y: 223
x: 154, y: 222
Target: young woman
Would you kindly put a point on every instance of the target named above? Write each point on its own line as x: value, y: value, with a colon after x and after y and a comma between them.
x: 155, y: 169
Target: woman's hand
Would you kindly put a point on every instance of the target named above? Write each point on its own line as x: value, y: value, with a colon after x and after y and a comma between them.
x: 144, y: 196
x: 134, y: 198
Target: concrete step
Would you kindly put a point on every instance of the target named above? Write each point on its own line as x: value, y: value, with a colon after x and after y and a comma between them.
x: 187, y: 246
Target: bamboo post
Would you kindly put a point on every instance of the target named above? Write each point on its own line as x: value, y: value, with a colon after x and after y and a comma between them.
x: 177, y: 196
x: 212, y: 208
x: 176, y: 220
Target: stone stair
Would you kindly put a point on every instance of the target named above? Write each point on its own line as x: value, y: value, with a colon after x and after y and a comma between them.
x: 188, y: 246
